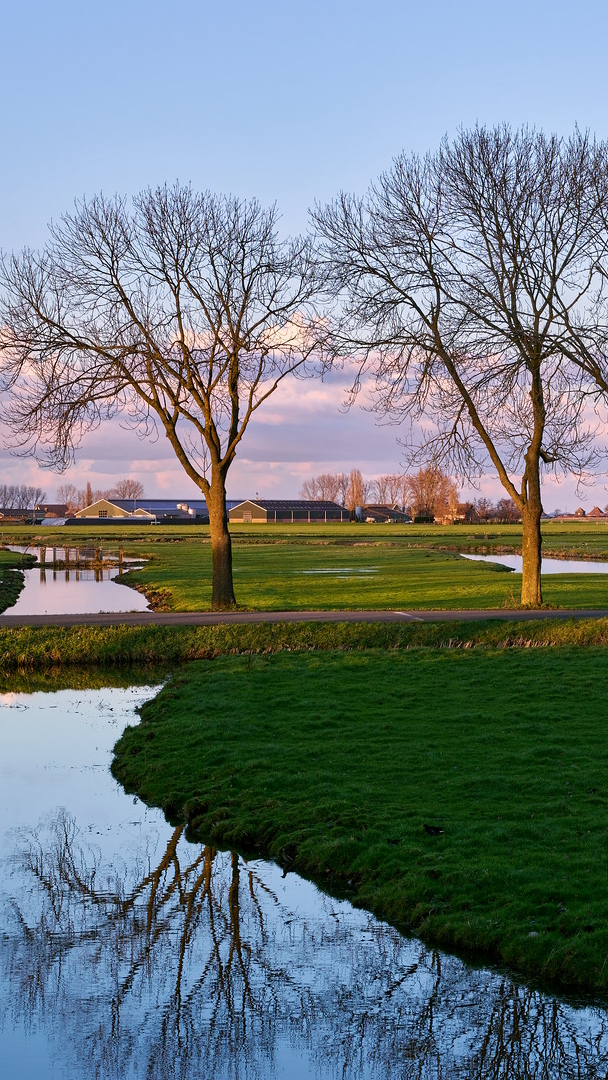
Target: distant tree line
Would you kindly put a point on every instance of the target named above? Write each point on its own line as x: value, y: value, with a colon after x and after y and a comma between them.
x: 20, y: 496
x: 502, y: 512
x: 75, y: 498
x: 428, y: 493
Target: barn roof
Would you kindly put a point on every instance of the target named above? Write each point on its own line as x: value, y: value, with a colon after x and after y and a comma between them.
x: 290, y: 504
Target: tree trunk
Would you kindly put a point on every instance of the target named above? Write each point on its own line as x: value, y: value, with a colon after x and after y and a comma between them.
x: 531, y: 595
x: 222, y: 589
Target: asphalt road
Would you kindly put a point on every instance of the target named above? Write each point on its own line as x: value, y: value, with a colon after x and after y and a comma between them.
x: 207, y: 618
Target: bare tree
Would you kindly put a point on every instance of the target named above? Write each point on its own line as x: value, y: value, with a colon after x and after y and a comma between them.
x: 380, y: 488
x: 324, y: 487
x: 68, y: 494
x: 310, y: 489
x: 431, y: 493
x: 358, y: 490
x: 20, y: 496
x: 473, y: 282
x: 507, y: 511
x: 343, y: 482
x: 184, y: 314
x: 127, y: 489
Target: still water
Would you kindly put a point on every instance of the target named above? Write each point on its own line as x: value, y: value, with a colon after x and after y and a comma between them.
x: 127, y: 952
x: 74, y: 592
x: 548, y: 566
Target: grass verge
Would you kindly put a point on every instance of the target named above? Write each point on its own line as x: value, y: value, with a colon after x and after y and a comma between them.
x: 461, y: 795
x: 40, y: 648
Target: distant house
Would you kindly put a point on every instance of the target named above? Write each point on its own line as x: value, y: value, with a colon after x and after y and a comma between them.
x: 579, y: 512
x: 286, y: 511
x: 33, y: 515
x: 596, y: 513
x: 51, y: 510
x: 464, y: 513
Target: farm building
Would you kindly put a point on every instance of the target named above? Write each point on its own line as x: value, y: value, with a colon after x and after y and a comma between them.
x: 281, y: 511
x: 382, y: 514
x: 162, y: 511
x: 104, y: 509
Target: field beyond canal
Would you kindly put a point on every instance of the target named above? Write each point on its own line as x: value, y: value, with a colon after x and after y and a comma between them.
x: 459, y: 794
x: 344, y: 566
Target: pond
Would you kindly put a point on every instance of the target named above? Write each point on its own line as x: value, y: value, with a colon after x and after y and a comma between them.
x: 548, y: 566
x: 128, y: 952
x: 74, y: 591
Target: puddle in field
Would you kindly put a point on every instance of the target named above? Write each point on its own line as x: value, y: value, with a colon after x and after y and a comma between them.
x: 548, y: 566
x: 74, y: 591
x: 341, y: 571
x: 127, y: 952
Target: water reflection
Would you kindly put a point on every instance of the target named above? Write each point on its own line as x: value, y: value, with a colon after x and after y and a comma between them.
x: 73, y: 584
x: 182, y: 961
x: 549, y: 565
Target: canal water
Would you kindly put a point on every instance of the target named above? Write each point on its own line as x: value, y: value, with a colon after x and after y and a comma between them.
x: 127, y: 952
x: 74, y: 591
x: 548, y: 566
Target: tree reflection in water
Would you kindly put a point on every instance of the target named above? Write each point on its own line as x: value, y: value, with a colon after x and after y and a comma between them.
x: 197, y: 963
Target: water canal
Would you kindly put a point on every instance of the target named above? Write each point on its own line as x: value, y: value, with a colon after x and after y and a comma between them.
x: 548, y: 565
x: 128, y: 952
x: 71, y: 587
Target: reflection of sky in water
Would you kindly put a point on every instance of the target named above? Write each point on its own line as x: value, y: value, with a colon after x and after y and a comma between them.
x: 128, y: 952
x: 75, y: 592
x: 548, y: 566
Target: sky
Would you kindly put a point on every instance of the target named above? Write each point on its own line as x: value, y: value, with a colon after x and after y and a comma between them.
x: 289, y: 103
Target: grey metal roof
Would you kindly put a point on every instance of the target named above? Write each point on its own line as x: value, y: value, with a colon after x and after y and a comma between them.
x: 291, y: 504
x: 166, y: 506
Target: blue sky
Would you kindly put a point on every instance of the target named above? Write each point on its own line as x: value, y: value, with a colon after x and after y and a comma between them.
x: 287, y: 102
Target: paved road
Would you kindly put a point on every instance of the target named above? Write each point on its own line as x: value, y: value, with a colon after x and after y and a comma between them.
x: 185, y: 618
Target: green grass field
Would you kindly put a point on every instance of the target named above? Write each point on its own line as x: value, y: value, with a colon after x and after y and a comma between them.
x: 345, y: 566
x: 333, y: 764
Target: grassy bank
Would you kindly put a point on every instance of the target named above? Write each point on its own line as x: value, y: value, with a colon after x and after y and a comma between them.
x: 11, y: 576
x: 334, y: 764
x: 44, y: 649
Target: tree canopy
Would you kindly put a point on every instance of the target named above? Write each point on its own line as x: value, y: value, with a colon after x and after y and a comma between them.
x: 472, y: 283
x: 183, y: 313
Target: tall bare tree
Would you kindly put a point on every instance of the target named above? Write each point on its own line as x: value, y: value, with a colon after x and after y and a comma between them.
x: 473, y: 281
x: 183, y: 313
x: 358, y: 490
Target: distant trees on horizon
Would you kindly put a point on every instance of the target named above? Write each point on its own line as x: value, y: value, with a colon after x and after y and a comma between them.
x: 428, y: 493
x: 20, y: 496
x: 75, y: 499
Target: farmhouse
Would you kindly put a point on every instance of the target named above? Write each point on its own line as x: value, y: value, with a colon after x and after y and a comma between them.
x: 265, y: 511
x: 103, y: 510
